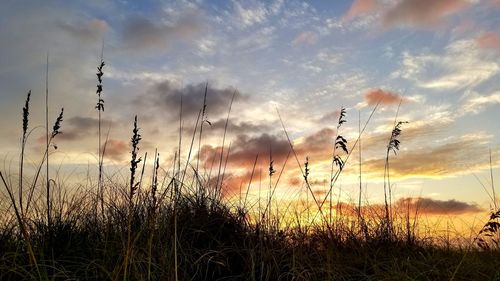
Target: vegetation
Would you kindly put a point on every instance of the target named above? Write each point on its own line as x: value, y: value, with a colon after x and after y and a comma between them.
x: 178, y: 225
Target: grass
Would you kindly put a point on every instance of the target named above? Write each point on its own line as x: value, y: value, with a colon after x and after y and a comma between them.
x: 178, y: 225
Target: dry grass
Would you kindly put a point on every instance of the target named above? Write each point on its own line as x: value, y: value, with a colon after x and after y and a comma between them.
x: 179, y: 226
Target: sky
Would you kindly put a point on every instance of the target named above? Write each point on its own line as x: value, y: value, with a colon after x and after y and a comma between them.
x: 440, y: 60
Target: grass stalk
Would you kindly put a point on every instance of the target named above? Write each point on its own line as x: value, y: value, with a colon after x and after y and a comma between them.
x: 26, y: 112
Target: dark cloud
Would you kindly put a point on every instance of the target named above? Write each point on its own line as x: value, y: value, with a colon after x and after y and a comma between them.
x: 165, y: 97
x: 87, y: 32
x: 245, y: 127
x: 78, y: 128
x: 422, y: 12
x: 244, y: 149
x: 437, y: 207
x: 143, y: 33
x: 318, y: 143
x: 415, y: 205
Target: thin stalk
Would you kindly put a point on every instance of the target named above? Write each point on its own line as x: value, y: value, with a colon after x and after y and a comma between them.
x: 136, y: 137
x: 47, y: 147
x: 100, y: 150
x: 203, y: 120
x: 360, y: 163
x: 302, y: 171
x: 223, y: 143
x: 250, y: 182
x: 493, y: 184
x: 176, y: 189
x: 273, y: 189
x: 225, y: 166
x: 190, y: 148
x: 23, y: 146
x: 388, y: 206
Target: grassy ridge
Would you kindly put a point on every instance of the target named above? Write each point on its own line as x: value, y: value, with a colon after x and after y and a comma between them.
x: 216, y: 243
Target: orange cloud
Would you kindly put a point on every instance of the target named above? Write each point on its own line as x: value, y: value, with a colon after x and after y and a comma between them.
x: 489, y: 40
x: 385, y: 97
x: 116, y: 149
x: 245, y: 148
x: 422, y: 12
x: 359, y: 7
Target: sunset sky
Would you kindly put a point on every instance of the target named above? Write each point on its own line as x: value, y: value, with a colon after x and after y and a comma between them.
x: 305, y: 58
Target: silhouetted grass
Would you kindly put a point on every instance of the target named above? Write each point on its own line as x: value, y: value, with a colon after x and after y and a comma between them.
x: 180, y: 227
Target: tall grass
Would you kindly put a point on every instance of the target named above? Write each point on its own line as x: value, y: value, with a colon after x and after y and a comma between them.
x: 178, y: 225
x: 100, y: 150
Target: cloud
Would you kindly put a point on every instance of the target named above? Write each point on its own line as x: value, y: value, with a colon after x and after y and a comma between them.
x: 257, y: 40
x: 421, y: 12
x: 489, y: 40
x: 164, y: 97
x: 461, y: 65
x: 254, y: 13
x: 437, y: 207
x: 244, y: 127
x: 443, y: 160
x: 317, y: 144
x: 360, y: 7
x: 330, y: 117
x: 142, y: 33
x: 244, y: 149
x: 372, y: 97
x: 476, y: 103
x: 305, y: 38
x: 89, y: 32
x: 415, y: 205
x: 78, y: 128
x: 116, y: 149
x: 251, y: 15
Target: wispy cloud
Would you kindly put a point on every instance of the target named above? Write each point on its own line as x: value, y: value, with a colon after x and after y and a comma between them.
x: 360, y: 7
x: 253, y: 13
x: 443, y: 160
x: 489, y: 40
x: 91, y: 31
x: 461, y: 65
x: 305, y: 38
x: 476, y: 103
x: 421, y: 12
